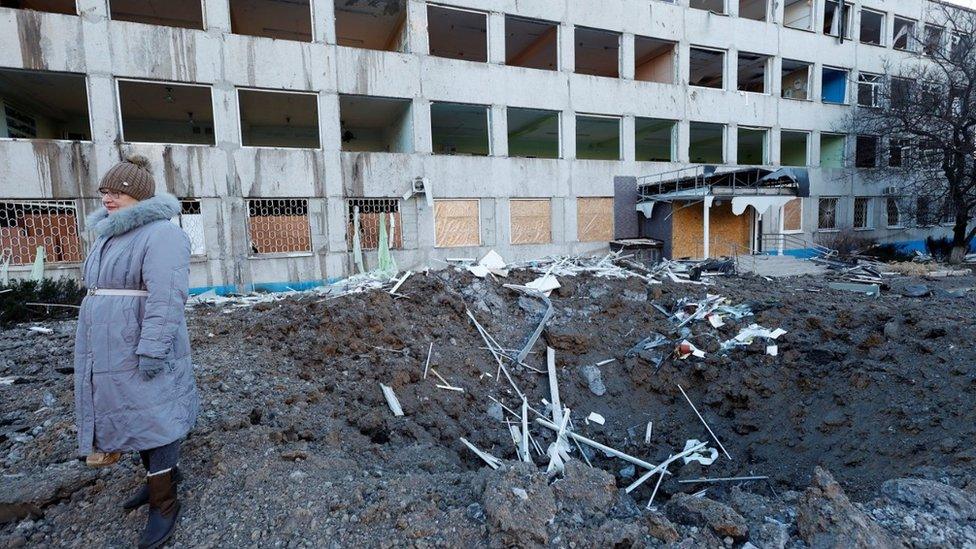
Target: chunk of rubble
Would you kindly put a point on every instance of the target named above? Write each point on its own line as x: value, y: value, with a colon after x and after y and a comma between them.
x: 513, y: 520
x: 701, y: 511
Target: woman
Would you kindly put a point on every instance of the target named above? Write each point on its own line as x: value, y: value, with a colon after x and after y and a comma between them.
x: 134, y: 386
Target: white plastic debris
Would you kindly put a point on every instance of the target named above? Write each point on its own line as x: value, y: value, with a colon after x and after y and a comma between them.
x: 41, y: 330
x: 747, y: 335
x: 595, y: 418
x: 544, y: 284
x: 490, y: 263
x: 772, y: 350
x: 686, y: 349
x: 699, y: 455
x: 715, y: 320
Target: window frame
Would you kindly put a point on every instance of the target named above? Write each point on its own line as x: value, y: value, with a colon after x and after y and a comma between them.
x: 118, y: 110
x: 836, y: 202
x: 868, y: 218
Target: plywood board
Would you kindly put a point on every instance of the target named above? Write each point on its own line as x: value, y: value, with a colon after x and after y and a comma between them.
x: 594, y: 219
x: 531, y: 221
x: 456, y: 223
x: 725, y: 228
x: 793, y: 215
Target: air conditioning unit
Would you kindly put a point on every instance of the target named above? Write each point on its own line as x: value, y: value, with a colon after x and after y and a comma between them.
x: 420, y: 186
x: 891, y: 191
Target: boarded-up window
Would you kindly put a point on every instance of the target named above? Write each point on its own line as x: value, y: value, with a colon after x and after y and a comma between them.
x: 531, y: 221
x: 594, y: 219
x: 370, y: 211
x: 279, y: 226
x: 456, y: 223
x: 26, y: 225
x: 793, y: 215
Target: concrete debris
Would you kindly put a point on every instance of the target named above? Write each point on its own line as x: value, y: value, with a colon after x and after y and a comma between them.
x: 595, y: 418
x: 41, y: 330
x: 594, y: 379
x: 869, y: 289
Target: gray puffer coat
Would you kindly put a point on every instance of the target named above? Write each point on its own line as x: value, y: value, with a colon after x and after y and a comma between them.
x: 116, y: 408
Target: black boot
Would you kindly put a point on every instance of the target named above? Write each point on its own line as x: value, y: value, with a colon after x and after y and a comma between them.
x: 164, y: 510
x: 141, y: 497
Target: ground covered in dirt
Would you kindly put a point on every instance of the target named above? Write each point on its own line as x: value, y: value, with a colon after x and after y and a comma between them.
x: 863, y: 422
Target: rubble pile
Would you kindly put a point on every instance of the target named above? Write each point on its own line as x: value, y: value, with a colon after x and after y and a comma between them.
x: 566, y: 401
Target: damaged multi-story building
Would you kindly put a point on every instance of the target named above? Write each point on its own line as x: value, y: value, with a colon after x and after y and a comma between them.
x: 292, y: 129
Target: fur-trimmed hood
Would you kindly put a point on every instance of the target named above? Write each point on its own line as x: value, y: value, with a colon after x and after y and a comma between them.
x: 160, y: 207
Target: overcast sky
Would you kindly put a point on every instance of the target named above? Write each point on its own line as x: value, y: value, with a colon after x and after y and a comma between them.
x: 967, y: 3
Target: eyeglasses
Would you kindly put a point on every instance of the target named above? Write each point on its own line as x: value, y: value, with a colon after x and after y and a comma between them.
x: 114, y: 195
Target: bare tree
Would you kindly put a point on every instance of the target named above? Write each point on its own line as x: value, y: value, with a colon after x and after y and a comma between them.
x: 922, y: 112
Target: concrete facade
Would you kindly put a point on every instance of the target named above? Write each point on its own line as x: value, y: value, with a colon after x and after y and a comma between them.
x: 224, y: 175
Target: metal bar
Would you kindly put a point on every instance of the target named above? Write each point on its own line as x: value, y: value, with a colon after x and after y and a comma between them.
x: 721, y: 479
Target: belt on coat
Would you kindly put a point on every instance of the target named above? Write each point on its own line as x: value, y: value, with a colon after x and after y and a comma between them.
x: 118, y: 291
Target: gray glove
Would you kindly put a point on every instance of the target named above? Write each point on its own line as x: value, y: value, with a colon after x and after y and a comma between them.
x: 151, y: 367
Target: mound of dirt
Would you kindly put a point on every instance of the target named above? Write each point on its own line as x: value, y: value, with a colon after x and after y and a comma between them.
x: 296, y: 444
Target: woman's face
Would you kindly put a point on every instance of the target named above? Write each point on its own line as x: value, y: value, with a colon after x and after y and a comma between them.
x: 115, y: 201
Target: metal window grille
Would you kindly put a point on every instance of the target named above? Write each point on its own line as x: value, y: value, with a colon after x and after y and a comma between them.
x: 923, y: 213
x: 862, y: 210
x: 369, y: 221
x: 19, y: 123
x: 278, y: 225
x: 26, y: 225
x: 191, y: 221
x: 892, y: 213
x: 827, y: 213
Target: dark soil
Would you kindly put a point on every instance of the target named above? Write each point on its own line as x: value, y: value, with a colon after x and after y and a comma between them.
x: 296, y: 445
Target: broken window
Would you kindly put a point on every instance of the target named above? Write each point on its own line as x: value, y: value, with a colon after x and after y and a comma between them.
x: 930, y: 154
x: 278, y: 225
x: 862, y: 212
x: 48, y: 227
x: 714, y: 6
x: 43, y: 105
x: 831, y: 150
x: 827, y: 213
x: 834, y: 86
x: 794, y: 148
x: 533, y: 133
x: 457, y: 33
x: 798, y: 14
x: 158, y: 112
x: 792, y: 216
x: 187, y: 14
x: 531, y: 43
x: 654, y: 139
x: 281, y: 19
x: 597, y: 52
x: 796, y: 79
x: 654, y: 60
x: 372, y: 25
x: 597, y: 137
x: 872, y: 27
x: 531, y: 221
x: 959, y: 44
x: 932, y: 45
x: 375, y: 124
x: 370, y: 212
x: 892, y: 212
x: 866, y: 151
x: 903, y: 34
x: 706, y: 143
x: 279, y: 119
x: 191, y: 221
x: 898, y: 152
x: 752, y: 72
x: 706, y: 68
x: 753, y: 9
x: 594, y: 219
x: 459, y: 128
x: 457, y: 223
x: 834, y: 22
x: 901, y: 92
x: 66, y: 7
x: 869, y: 89
x: 751, y: 146
x: 923, y: 213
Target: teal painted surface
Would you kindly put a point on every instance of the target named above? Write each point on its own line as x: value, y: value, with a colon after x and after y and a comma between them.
x: 271, y: 287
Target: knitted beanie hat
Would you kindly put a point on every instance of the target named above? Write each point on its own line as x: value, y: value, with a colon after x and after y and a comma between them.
x: 132, y: 177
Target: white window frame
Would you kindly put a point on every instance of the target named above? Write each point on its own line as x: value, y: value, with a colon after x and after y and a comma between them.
x: 884, y: 27
x: 469, y: 10
x: 620, y: 133
x: 844, y: 7
x: 847, y: 85
x: 725, y: 141
x: 912, y: 29
x: 806, y: 160
x: 725, y: 66
x: 875, y: 81
x: 809, y: 89
x: 940, y: 46
x: 765, y: 142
